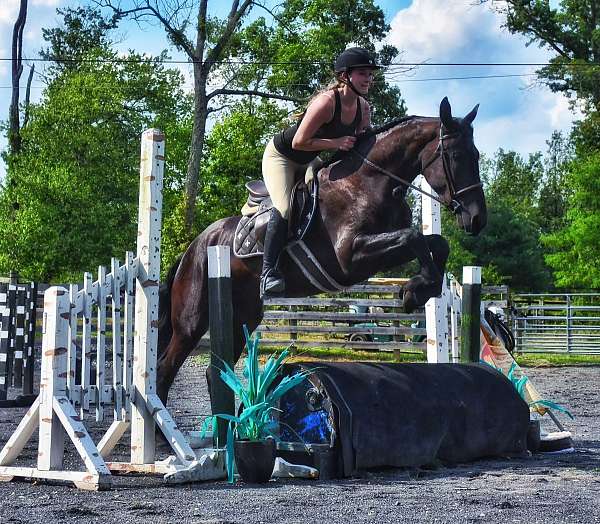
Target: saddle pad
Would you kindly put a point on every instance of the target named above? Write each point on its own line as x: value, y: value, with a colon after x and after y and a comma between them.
x: 245, y: 241
x: 250, y: 231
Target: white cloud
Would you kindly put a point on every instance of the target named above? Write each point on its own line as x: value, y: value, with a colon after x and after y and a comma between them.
x: 9, y: 11
x: 47, y: 3
x: 429, y: 28
x: 512, y: 115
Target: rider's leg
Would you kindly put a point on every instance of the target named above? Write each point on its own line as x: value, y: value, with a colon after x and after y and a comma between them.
x: 279, y: 174
x: 271, y: 280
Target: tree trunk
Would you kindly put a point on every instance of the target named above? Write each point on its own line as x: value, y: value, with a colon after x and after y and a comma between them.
x: 14, y: 135
x: 198, y: 132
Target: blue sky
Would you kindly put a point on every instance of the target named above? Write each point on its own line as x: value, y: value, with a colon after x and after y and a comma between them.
x: 514, y: 113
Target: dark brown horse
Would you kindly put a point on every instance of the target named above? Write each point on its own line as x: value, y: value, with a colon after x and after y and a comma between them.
x: 363, y: 226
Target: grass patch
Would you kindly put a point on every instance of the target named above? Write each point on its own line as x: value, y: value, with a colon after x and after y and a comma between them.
x: 555, y: 360
x: 329, y: 354
x: 353, y: 355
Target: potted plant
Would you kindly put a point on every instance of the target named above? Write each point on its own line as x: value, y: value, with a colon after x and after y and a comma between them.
x: 251, y: 433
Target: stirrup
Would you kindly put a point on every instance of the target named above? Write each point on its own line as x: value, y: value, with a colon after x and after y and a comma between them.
x: 272, y: 284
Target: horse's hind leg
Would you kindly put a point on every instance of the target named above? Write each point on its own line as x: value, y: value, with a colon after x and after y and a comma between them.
x: 173, y: 358
x: 189, y: 319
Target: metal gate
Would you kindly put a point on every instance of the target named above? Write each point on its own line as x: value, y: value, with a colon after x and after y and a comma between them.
x: 556, y: 322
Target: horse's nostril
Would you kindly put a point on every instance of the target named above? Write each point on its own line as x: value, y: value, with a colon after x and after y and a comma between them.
x: 475, y: 223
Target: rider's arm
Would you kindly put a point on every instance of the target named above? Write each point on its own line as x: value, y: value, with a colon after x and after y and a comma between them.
x: 318, y: 113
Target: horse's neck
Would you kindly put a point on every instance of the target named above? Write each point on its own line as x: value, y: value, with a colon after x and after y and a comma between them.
x: 399, y: 150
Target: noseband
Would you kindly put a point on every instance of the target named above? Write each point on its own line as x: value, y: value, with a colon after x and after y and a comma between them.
x: 442, y: 151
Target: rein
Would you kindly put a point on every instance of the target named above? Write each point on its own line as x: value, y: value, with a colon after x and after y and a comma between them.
x: 440, y: 150
x: 396, y: 177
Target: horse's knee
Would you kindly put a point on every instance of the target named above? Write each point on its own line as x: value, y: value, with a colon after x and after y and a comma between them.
x: 439, y: 248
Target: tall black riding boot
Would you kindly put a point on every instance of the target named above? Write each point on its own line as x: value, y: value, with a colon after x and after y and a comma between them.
x: 271, y: 280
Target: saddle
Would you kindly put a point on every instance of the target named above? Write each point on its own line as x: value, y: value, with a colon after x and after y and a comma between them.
x: 250, y: 232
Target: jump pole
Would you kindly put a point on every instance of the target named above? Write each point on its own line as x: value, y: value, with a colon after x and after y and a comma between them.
x: 221, y: 334
x: 470, y: 345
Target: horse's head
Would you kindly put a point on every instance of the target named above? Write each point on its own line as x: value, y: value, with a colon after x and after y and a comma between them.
x: 451, y: 166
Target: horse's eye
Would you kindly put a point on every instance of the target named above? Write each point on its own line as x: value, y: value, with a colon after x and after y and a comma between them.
x: 456, y: 155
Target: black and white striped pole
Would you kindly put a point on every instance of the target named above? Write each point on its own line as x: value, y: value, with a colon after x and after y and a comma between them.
x: 471, y: 314
x: 221, y: 333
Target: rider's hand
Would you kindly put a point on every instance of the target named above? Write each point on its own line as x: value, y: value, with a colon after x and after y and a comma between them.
x: 345, y: 143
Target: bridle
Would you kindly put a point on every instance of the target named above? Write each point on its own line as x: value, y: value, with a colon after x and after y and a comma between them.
x: 443, y: 152
x: 440, y: 150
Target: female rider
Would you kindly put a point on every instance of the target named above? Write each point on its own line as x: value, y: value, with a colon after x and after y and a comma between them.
x: 331, y: 121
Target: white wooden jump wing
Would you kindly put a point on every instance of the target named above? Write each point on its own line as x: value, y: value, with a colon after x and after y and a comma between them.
x: 436, y: 308
x: 67, y: 358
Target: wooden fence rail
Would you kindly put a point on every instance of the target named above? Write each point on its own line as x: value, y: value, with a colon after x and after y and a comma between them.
x: 366, y: 316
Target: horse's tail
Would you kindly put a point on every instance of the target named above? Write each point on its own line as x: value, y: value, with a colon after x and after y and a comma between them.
x: 165, y: 329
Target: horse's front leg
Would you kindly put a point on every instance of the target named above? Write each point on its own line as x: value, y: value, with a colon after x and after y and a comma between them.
x: 386, y: 250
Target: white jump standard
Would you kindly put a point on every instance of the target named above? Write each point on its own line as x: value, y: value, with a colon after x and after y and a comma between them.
x: 134, y: 353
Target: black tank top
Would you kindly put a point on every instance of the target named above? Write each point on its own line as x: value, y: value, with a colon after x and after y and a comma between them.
x: 335, y: 128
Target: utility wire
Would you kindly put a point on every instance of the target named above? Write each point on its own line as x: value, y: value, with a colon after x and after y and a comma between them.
x: 113, y: 86
x: 305, y: 62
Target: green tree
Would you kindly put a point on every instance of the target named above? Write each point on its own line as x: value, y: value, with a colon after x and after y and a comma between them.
x: 294, y: 57
x: 570, y: 29
x: 575, y: 251
x: 70, y: 199
x: 516, y: 182
x: 508, y: 249
x: 83, y: 30
x: 554, y: 191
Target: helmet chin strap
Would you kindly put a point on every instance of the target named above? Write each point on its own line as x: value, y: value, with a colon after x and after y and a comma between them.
x: 349, y: 83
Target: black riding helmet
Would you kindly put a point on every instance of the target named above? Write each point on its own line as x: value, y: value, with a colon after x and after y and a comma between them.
x: 354, y: 57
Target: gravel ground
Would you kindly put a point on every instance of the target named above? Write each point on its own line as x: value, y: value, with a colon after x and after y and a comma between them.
x: 542, y: 488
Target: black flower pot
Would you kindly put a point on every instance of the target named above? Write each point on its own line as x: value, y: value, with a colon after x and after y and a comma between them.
x: 255, y: 460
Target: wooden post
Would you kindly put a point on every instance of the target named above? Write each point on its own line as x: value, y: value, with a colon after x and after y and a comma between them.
x: 396, y: 323
x: 454, y: 301
x: 293, y: 323
x: 221, y: 335
x: 21, y: 300
x: 146, y: 296
x: 470, y: 346
x: 53, y: 380
x: 436, y: 309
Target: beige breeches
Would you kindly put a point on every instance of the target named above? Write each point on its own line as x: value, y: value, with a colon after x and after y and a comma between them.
x: 280, y: 175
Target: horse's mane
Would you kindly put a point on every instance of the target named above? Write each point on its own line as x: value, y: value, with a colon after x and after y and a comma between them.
x: 388, y: 125
x: 385, y: 127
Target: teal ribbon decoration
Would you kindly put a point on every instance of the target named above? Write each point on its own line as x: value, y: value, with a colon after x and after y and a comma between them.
x: 520, y: 383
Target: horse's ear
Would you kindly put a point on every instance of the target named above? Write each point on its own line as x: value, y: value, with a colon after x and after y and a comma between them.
x: 471, y: 116
x: 446, y: 114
